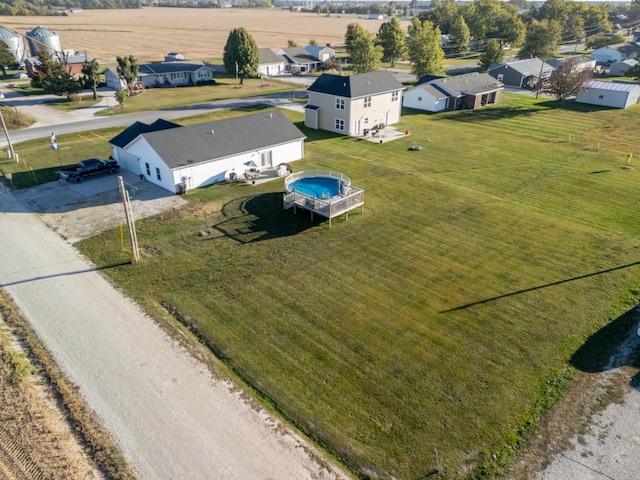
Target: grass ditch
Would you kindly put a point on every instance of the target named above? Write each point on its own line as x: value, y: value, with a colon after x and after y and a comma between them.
x: 101, y: 447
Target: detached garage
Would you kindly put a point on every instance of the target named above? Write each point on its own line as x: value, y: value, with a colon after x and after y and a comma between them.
x: 182, y: 158
x: 610, y: 94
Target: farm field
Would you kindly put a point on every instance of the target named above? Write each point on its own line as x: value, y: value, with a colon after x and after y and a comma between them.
x: 445, y: 317
x: 150, y: 33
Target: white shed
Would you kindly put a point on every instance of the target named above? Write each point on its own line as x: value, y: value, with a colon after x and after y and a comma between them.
x: 610, y: 94
x: 619, y: 69
x: 182, y: 158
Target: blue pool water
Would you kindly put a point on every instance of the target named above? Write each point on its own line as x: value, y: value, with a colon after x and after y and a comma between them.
x: 318, y: 187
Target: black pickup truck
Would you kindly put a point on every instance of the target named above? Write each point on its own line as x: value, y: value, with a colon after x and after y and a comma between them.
x: 86, y: 168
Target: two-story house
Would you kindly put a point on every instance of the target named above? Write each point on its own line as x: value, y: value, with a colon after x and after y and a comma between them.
x: 352, y: 104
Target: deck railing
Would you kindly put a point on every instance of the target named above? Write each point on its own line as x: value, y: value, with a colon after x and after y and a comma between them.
x: 289, y: 179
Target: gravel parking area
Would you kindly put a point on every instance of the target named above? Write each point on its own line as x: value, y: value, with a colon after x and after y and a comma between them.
x: 78, y: 211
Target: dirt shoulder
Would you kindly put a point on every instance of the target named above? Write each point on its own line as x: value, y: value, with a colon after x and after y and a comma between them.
x: 37, y: 440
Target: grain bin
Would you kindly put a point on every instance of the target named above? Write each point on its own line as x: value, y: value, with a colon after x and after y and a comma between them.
x: 40, y: 38
x: 15, y: 42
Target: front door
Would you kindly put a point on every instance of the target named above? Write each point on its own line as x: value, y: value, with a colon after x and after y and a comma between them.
x: 356, y: 127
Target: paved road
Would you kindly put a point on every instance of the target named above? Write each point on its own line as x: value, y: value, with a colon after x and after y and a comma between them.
x: 170, y: 417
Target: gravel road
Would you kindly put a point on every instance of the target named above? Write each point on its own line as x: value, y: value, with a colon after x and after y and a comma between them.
x: 171, y: 418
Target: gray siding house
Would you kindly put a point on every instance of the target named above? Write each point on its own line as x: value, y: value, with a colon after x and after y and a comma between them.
x: 352, y: 104
x: 522, y: 73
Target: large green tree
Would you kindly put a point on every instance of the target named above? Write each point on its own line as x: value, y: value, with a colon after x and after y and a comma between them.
x: 443, y: 14
x: 392, y: 38
x: 91, y: 78
x: 425, y: 53
x: 494, y: 19
x: 541, y: 40
x: 7, y: 60
x: 241, y: 55
x: 364, y: 55
x: 459, y: 36
x: 492, y: 54
x: 128, y: 70
x: 349, y: 36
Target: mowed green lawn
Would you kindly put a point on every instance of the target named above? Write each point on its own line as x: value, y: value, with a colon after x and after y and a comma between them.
x: 436, y: 319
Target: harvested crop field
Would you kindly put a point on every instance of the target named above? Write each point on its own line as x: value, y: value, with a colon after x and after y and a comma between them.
x: 199, y: 34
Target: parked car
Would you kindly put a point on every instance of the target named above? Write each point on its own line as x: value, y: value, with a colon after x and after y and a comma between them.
x: 87, y: 168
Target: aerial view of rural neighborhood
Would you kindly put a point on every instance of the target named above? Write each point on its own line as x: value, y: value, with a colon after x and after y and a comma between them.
x: 328, y: 240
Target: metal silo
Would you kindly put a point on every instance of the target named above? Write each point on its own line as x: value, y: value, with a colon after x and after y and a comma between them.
x: 15, y: 42
x: 40, y: 38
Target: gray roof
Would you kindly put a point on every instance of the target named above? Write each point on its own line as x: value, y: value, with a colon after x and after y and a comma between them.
x: 41, y: 32
x: 530, y: 66
x: 170, y: 67
x: 355, y: 86
x: 211, y: 141
x: 469, y: 84
x: 580, y: 59
x: 128, y: 135
x: 612, y: 86
x: 268, y: 56
x: 299, y: 55
x: 624, y: 47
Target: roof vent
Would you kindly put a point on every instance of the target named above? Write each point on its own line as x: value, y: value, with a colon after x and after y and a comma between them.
x: 212, y: 131
x: 189, y: 161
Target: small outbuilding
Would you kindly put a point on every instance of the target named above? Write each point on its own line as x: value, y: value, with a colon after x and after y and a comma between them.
x: 179, y: 158
x: 619, y: 69
x: 610, y: 94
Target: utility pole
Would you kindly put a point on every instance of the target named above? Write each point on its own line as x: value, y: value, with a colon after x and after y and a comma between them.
x: 6, y: 134
x: 130, y: 223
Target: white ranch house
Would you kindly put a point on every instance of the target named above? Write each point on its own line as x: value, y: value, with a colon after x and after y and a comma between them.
x: 180, y: 158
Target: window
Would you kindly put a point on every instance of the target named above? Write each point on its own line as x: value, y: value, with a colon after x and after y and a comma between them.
x: 419, y: 99
x: 175, y: 76
x: 395, y: 96
x: 148, y: 169
x: 340, y: 103
x: 366, y: 120
x: 600, y: 97
x: 339, y: 124
x: 367, y: 102
x: 203, y: 74
x: 500, y: 77
x: 158, y: 174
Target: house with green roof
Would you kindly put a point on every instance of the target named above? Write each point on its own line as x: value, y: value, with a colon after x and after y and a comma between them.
x: 179, y: 158
x: 355, y: 104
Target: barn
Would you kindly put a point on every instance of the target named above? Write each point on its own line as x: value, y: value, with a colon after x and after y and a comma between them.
x: 179, y: 158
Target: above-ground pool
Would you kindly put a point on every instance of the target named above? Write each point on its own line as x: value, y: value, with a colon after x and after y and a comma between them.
x: 317, y: 187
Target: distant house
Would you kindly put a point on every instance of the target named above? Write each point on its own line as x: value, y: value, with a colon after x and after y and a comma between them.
x: 610, y: 94
x: 182, y: 158
x: 174, y: 73
x: 471, y: 90
x: 521, y: 73
x: 74, y: 62
x: 272, y: 64
x: 619, y: 69
x: 376, y: 16
x: 616, y: 53
x: 582, y: 62
x: 299, y: 59
x: 351, y: 104
x: 324, y: 54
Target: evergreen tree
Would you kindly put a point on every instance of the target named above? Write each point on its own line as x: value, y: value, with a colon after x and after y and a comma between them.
x: 7, y: 60
x: 241, y: 54
x: 491, y: 55
x: 459, y: 36
x: 128, y: 70
x: 91, y: 77
x: 365, y: 56
x: 391, y: 37
x: 53, y: 77
x: 425, y: 52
